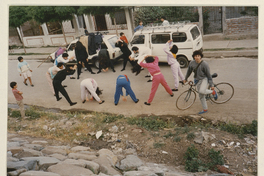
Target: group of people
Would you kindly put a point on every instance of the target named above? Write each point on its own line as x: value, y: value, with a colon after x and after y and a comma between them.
x: 139, y: 59
x: 162, y: 19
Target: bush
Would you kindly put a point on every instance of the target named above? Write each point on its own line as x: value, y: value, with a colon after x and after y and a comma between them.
x: 33, y: 113
x: 15, y: 113
x: 112, y: 118
x: 190, y: 136
x: 216, y: 158
x: 149, y: 123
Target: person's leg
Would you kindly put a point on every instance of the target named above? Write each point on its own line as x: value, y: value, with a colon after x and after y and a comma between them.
x: 79, y: 68
x: 111, y: 64
x: 174, y: 70
x: 130, y: 91
x: 202, y: 89
x: 50, y: 82
x: 118, y: 91
x: 83, y: 93
x: 165, y: 84
x: 88, y: 67
x: 154, y: 87
x: 124, y: 63
x: 56, y: 90
x: 65, y: 94
x: 21, y: 108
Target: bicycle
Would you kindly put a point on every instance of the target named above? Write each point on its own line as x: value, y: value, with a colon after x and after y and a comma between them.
x: 225, y: 92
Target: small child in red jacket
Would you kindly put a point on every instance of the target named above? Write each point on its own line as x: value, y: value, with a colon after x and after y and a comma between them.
x: 19, y: 98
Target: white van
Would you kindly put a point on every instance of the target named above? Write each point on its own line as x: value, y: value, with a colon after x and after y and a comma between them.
x: 186, y: 36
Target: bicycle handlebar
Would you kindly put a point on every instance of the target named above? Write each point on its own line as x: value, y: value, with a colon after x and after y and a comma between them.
x: 189, y: 82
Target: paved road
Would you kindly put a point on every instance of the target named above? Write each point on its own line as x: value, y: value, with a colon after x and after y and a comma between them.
x: 242, y: 73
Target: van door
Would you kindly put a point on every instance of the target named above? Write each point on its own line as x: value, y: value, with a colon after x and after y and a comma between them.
x: 158, y: 42
x: 197, y: 38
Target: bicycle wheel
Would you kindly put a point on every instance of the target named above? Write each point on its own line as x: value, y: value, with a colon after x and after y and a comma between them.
x: 225, y: 92
x: 186, y: 100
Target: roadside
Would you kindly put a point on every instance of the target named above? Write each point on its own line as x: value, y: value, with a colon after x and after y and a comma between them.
x: 212, y: 48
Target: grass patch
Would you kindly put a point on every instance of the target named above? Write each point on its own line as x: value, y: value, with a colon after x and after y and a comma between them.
x: 33, y: 113
x: 158, y: 145
x: 112, y: 118
x: 15, y: 113
x: 177, y: 139
x: 190, y: 136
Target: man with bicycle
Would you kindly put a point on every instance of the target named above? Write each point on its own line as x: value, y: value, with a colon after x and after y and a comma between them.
x: 202, y: 78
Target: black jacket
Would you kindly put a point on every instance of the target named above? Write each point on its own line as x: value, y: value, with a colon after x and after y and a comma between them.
x: 61, y: 75
x: 81, y: 54
x: 124, y: 49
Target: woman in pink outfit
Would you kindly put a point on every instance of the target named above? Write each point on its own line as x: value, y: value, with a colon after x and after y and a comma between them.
x: 152, y: 64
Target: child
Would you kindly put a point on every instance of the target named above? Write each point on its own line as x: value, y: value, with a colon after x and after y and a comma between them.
x: 24, y: 69
x: 123, y: 37
x: 19, y: 98
x: 202, y: 77
x: 152, y: 64
x: 123, y: 81
x: 89, y: 88
x: 171, y: 51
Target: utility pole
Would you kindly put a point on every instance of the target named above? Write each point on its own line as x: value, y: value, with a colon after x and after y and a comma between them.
x: 224, y: 20
x: 200, y: 12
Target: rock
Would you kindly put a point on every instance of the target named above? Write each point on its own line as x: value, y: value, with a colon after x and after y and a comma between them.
x: 37, y: 147
x: 59, y: 156
x: 106, y: 164
x: 69, y: 170
x: 131, y: 162
x: 89, y: 153
x: 15, y: 150
x: 20, y: 140
x: 207, y: 136
x: 44, y: 162
x: 93, y: 166
x: 75, y: 141
x: 38, y: 173
x: 81, y: 156
x: 198, y: 138
x: 45, y: 127
x: 28, y: 153
x: 74, y: 162
x: 99, y: 134
x: 39, y: 142
x: 114, y: 129
x: 13, y: 144
x: 112, y: 158
x: 17, y: 172
x: 139, y: 173
x: 12, y: 159
x: 80, y: 148
x: 28, y: 165
x: 54, y: 149
x: 130, y: 151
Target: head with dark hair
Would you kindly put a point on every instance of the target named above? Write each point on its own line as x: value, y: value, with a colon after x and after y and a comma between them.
x: 163, y: 18
x: 197, y: 53
x: 174, y: 49
x: 60, y: 64
x: 65, y: 55
x: 134, y: 48
x: 136, y: 69
x: 149, y: 59
x: 13, y: 84
x: 119, y: 44
x: 79, y: 46
x: 121, y: 33
x: 98, y: 91
x: 20, y: 58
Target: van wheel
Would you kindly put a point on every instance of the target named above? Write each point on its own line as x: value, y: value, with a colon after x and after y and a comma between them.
x: 96, y: 62
x: 183, y: 61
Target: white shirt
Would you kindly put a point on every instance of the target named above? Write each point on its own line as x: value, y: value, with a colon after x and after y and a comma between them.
x: 165, y: 23
x: 141, y: 51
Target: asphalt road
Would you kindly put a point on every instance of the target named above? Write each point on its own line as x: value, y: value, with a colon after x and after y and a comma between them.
x: 242, y: 73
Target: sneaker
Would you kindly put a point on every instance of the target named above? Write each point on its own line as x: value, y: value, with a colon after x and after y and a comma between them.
x: 32, y: 85
x: 123, y: 69
x: 174, y: 89
x: 137, y: 101
x: 25, y: 83
x: 102, y: 102
x: 147, y: 76
x: 92, y: 72
x: 72, y: 77
x: 84, y: 101
x: 73, y: 103
x: 172, y: 95
x: 146, y: 103
x: 59, y: 98
x: 149, y: 80
x: 215, y: 95
x: 203, y: 111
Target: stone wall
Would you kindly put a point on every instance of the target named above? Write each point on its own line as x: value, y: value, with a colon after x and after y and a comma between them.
x: 247, y: 24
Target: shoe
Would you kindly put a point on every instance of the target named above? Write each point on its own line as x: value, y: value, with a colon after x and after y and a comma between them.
x: 172, y: 95
x: 65, y: 86
x: 73, y: 103
x: 116, y: 104
x: 84, y: 101
x: 72, y: 77
x: 149, y: 80
x: 123, y: 69
x: 203, y: 111
x: 114, y: 71
x: 147, y: 76
x: 102, y: 102
x: 92, y: 72
x: 78, y: 77
x: 32, y: 85
x: 59, y: 99
x: 146, y: 103
x: 174, y: 89
x: 98, y: 72
x: 25, y: 83
x: 137, y: 101
x: 215, y: 95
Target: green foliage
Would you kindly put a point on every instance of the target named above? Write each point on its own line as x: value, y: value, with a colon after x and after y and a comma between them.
x: 251, y: 128
x: 18, y: 15
x: 177, y: 139
x: 190, y: 136
x: 33, y: 113
x: 112, y: 118
x: 194, y: 164
x: 169, y: 134
x: 158, y: 145
x: 15, y: 113
x: 152, y: 123
x: 99, y: 10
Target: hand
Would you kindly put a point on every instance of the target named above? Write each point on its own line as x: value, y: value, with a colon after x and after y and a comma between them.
x: 212, y: 88
x: 169, y: 41
x: 30, y: 70
x: 184, y: 81
x: 74, y: 67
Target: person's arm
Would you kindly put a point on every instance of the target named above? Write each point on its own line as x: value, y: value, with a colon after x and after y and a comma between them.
x: 28, y: 67
x: 136, y: 28
x: 206, y: 70
x: 188, y: 73
x: 167, y: 47
x: 20, y: 92
x: 18, y: 69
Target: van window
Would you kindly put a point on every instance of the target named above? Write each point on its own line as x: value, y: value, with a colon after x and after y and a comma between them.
x: 179, y: 37
x: 71, y: 47
x: 112, y: 41
x: 160, y: 38
x: 195, y: 33
x: 138, y: 39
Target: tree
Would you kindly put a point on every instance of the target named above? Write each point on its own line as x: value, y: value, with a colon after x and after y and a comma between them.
x: 17, y: 16
x: 44, y: 14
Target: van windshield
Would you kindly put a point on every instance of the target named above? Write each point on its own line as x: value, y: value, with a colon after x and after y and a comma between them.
x: 112, y: 41
x: 195, y: 33
x: 138, y: 39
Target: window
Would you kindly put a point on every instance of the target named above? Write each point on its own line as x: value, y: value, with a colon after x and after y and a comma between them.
x: 160, y: 38
x: 120, y: 18
x: 54, y: 28
x: 138, y: 39
x: 195, y: 33
x: 179, y: 37
x: 112, y: 41
x: 31, y: 28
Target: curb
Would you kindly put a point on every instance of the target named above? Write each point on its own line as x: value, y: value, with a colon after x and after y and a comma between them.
x: 241, y: 53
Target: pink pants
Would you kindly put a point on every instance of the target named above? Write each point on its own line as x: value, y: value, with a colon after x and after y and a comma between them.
x: 158, y: 79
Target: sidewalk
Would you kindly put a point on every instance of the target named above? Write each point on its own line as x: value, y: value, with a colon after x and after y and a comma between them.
x: 222, y: 48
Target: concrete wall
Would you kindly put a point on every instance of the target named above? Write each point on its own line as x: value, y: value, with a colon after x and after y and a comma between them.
x: 247, y: 24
